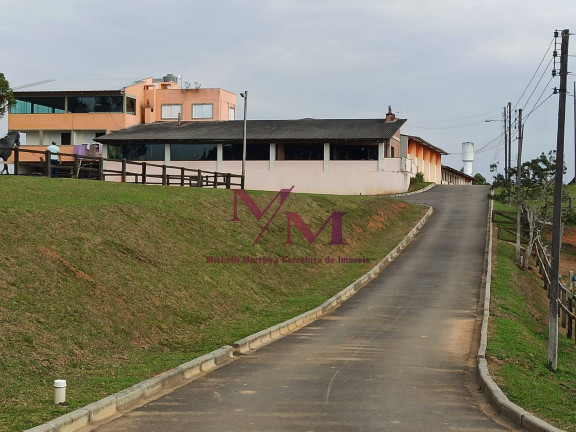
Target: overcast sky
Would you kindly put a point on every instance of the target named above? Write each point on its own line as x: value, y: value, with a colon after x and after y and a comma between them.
x: 445, y: 65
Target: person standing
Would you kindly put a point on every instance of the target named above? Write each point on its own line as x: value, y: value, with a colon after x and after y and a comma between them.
x: 54, y: 158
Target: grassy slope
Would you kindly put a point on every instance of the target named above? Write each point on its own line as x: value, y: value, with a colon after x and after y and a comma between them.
x: 107, y: 284
x: 518, y: 345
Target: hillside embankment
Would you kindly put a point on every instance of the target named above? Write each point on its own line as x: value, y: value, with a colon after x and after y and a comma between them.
x: 106, y: 284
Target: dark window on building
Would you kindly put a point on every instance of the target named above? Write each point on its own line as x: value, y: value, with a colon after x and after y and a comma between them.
x: 130, y: 105
x: 353, y: 152
x: 193, y: 152
x: 95, y: 104
x: 304, y: 152
x: 114, y: 152
x: 65, y: 138
x: 253, y: 151
x: 39, y: 105
x: 142, y: 152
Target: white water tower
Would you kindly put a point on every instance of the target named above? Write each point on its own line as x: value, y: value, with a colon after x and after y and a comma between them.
x: 468, y: 157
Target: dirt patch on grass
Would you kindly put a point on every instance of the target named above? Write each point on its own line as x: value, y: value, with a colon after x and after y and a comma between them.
x: 56, y: 256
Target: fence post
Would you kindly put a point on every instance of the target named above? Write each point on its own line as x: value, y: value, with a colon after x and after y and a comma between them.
x: 228, y: 180
x: 164, y: 175
x: 562, y: 311
x: 123, y: 170
x: 215, y: 180
x: 570, y: 320
x: 16, y: 160
x: 47, y: 162
x: 143, y: 172
x: 76, y: 168
x: 199, y: 182
x: 101, y: 169
x: 182, y: 176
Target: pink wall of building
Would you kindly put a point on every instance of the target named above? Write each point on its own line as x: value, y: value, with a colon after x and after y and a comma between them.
x: 341, y: 178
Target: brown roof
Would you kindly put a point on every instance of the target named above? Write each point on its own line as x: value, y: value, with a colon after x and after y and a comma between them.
x: 426, y: 144
x: 459, y: 173
x: 257, y: 130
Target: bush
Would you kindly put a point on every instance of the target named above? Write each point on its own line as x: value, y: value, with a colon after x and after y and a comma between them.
x: 418, y: 178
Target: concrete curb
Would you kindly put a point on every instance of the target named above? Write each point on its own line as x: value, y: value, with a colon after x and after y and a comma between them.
x: 264, y: 337
x: 498, y: 400
x: 132, y: 397
x: 415, y: 192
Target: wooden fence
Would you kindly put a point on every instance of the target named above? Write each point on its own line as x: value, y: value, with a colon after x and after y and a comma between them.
x: 565, y: 294
x: 505, y: 221
x: 92, y: 167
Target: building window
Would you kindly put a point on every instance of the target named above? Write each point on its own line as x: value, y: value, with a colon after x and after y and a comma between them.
x: 66, y: 138
x: 193, y: 152
x: 171, y: 111
x: 202, y: 111
x: 231, y: 113
x: 304, y: 152
x: 130, y: 105
x: 353, y: 152
x: 39, y: 105
x: 140, y: 152
x: 253, y: 151
x: 96, y: 104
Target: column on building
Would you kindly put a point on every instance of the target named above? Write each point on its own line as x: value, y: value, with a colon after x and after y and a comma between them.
x: 272, y: 156
x: 219, y: 156
x: 326, y: 157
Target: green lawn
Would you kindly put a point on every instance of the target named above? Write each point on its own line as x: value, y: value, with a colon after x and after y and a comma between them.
x: 517, y: 350
x: 106, y: 284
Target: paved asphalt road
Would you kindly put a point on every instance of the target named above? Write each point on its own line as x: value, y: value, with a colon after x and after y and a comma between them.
x: 398, y: 356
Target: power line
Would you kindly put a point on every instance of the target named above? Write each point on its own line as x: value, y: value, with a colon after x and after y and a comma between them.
x: 448, y: 127
x: 535, y: 108
x: 456, y: 119
x: 536, y: 86
x: 537, y: 69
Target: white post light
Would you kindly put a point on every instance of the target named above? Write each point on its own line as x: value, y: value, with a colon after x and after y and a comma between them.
x: 59, y: 391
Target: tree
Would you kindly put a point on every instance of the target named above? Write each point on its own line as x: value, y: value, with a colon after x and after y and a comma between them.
x: 6, y: 96
x: 536, y: 196
x: 479, y: 179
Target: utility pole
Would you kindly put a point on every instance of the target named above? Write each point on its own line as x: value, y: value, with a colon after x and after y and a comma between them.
x: 557, y: 218
x: 519, y: 189
x: 506, y: 166
x: 509, y: 134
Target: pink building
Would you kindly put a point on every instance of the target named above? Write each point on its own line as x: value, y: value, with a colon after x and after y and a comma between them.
x: 329, y: 156
x: 426, y: 157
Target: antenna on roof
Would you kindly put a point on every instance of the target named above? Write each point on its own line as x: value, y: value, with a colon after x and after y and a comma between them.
x: 33, y: 84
